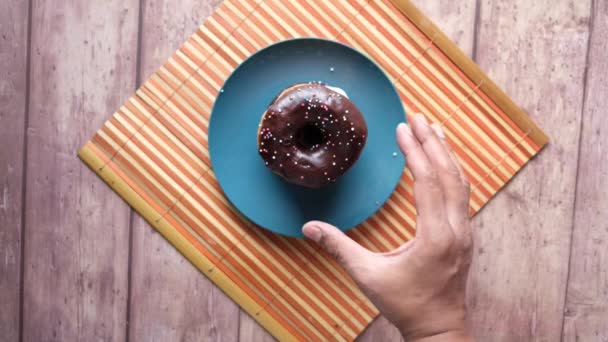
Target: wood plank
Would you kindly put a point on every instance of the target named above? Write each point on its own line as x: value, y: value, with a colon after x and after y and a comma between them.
x: 457, y: 20
x: 587, y: 299
x: 170, y: 299
x: 250, y: 330
x: 13, y: 84
x: 535, y: 51
x: 76, y: 228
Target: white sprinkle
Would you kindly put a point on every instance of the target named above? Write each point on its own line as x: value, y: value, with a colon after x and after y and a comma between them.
x: 331, y: 69
x: 333, y: 163
x: 280, y: 165
x: 222, y: 90
x: 288, y: 154
x: 325, y: 173
x: 346, y: 111
x: 345, y: 159
x: 288, y: 124
x: 281, y: 141
x: 352, y: 128
x: 260, y: 150
x: 394, y: 154
x: 274, y: 157
x: 266, y: 163
x: 280, y: 110
x: 344, y: 118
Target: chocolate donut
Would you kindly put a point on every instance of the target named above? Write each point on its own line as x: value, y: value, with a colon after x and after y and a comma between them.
x: 311, y: 134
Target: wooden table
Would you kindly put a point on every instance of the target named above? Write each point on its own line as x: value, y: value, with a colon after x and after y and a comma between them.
x: 77, y: 264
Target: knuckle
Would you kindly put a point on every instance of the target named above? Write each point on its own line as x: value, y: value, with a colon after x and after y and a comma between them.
x: 331, y: 247
x: 448, y: 167
x: 424, y: 136
x: 430, y: 178
x: 466, y: 243
x: 465, y: 205
x: 443, y: 246
x: 457, y: 197
x: 448, y: 242
x: 452, y: 170
x: 464, y: 238
x: 466, y: 184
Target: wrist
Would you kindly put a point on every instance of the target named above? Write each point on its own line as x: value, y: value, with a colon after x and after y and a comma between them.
x: 445, y: 326
x: 460, y: 335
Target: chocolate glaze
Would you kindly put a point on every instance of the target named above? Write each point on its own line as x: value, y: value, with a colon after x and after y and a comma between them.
x: 311, y: 135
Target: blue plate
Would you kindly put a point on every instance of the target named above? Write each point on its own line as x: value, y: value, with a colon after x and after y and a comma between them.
x: 264, y: 197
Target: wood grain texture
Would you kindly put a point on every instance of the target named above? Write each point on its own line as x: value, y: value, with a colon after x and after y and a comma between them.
x: 535, y: 51
x: 13, y: 83
x: 76, y: 229
x: 250, y: 330
x: 170, y: 299
x: 457, y: 20
x: 587, y: 299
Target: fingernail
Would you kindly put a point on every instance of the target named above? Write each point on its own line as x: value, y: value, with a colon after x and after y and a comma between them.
x: 439, y: 131
x: 422, y: 119
x: 312, y: 232
x: 405, y: 127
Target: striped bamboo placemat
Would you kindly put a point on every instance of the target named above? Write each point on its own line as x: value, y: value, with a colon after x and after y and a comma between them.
x: 153, y: 152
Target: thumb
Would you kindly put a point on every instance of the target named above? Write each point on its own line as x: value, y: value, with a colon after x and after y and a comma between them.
x: 348, y: 253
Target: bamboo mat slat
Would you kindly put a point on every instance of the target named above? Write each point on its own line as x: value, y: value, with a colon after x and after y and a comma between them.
x: 153, y: 152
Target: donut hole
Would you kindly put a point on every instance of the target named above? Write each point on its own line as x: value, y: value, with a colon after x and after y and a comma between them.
x: 308, y: 136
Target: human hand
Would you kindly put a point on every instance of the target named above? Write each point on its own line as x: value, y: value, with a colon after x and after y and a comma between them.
x: 420, y: 286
